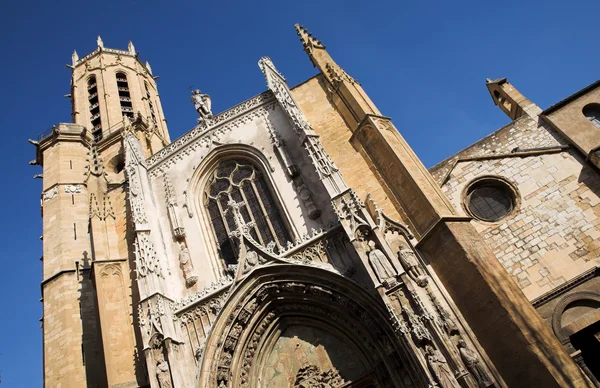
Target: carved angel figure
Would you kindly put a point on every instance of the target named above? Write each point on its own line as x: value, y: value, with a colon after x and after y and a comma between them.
x: 185, y: 262
x: 202, y: 103
x: 381, y: 266
x: 473, y: 364
x: 440, y: 369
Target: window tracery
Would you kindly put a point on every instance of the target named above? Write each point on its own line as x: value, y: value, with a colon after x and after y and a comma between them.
x: 242, y: 182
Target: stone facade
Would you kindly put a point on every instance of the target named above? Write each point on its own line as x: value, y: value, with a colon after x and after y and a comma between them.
x: 549, y: 242
x: 296, y: 240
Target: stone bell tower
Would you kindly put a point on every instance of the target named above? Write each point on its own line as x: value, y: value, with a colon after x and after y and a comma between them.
x: 88, y: 288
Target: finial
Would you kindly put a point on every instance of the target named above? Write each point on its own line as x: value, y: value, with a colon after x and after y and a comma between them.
x: 131, y: 48
x: 100, y: 42
x: 307, y: 39
x: 74, y: 57
x: 148, y: 67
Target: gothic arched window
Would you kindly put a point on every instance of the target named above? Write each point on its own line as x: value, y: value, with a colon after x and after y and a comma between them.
x: 124, y: 96
x: 592, y: 112
x: 242, y: 182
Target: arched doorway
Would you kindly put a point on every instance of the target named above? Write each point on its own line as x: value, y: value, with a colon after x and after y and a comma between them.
x: 296, y: 326
x: 576, y: 322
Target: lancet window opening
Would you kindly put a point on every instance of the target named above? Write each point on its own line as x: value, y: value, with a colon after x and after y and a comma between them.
x: 124, y: 96
x: 152, y: 114
x: 242, y: 182
x: 95, y: 118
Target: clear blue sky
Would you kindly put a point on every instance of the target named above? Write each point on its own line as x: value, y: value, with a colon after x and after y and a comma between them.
x: 423, y: 63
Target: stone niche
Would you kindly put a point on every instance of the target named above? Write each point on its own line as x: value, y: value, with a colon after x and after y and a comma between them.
x: 305, y: 352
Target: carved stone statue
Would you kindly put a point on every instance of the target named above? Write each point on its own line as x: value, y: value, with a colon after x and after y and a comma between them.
x: 163, y: 373
x: 473, y: 364
x: 440, y: 369
x: 185, y: 262
x: 311, y: 376
x: 203, y: 104
x: 409, y: 262
x: 382, y: 267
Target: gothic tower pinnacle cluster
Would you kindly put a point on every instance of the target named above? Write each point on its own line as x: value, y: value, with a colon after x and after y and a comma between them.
x: 293, y: 240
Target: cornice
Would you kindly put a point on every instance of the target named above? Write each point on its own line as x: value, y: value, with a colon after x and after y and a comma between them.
x: 204, y: 133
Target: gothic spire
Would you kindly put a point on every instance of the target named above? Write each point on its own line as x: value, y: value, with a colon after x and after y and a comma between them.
x: 308, y: 40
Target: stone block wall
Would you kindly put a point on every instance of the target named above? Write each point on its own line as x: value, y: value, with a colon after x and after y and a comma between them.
x: 552, y: 235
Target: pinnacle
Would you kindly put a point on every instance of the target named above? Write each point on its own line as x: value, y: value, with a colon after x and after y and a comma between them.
x: 307, y: 39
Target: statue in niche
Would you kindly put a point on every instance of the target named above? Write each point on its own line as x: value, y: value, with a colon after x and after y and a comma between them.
x: 203, y: 104
x: 383, y: 268
x: 185, y: 262
x: 440, y: 369
x: 409, y: 262
x: 163, y: 372
x: 473, y: 364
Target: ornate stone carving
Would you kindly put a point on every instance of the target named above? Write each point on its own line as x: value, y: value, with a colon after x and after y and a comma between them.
x: 200, y: 136
x: 471, y: 360
x: 94, y: 207
x: 311, y: 376
x: 383, y: 268
x: 212, y: 288
x: 50, y: 194
x: 163, y: 371
x: 306, y: 197
x: 145, y: 255
x: 108, y: 209
x: 348, y: 208
x: 172, y: 209
x: 445, y: 319
x: 185, y: 262
x: 72, y: 189
x: 321, y: 160
x: 276, y: 83
x: 411, y: 265
x: 203, y: 104
x: 439, y: 368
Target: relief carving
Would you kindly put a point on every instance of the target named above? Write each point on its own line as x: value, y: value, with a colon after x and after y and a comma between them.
x: 311, y: 376
x: 72, y: 189
x: 48, y: 195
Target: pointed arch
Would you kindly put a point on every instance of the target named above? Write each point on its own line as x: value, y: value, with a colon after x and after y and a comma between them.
x: 281, y: 301
x: 242, y: 154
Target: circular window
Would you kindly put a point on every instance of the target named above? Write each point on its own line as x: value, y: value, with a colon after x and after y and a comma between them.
x: 490, y: 199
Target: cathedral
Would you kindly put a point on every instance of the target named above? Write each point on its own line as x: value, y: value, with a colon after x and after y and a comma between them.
x: 296, y: 240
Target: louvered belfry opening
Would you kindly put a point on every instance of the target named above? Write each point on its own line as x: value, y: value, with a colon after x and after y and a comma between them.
x: 124, y: 96
x: 244, y: 183
x: 150, y: 105
x: 94, y: 108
